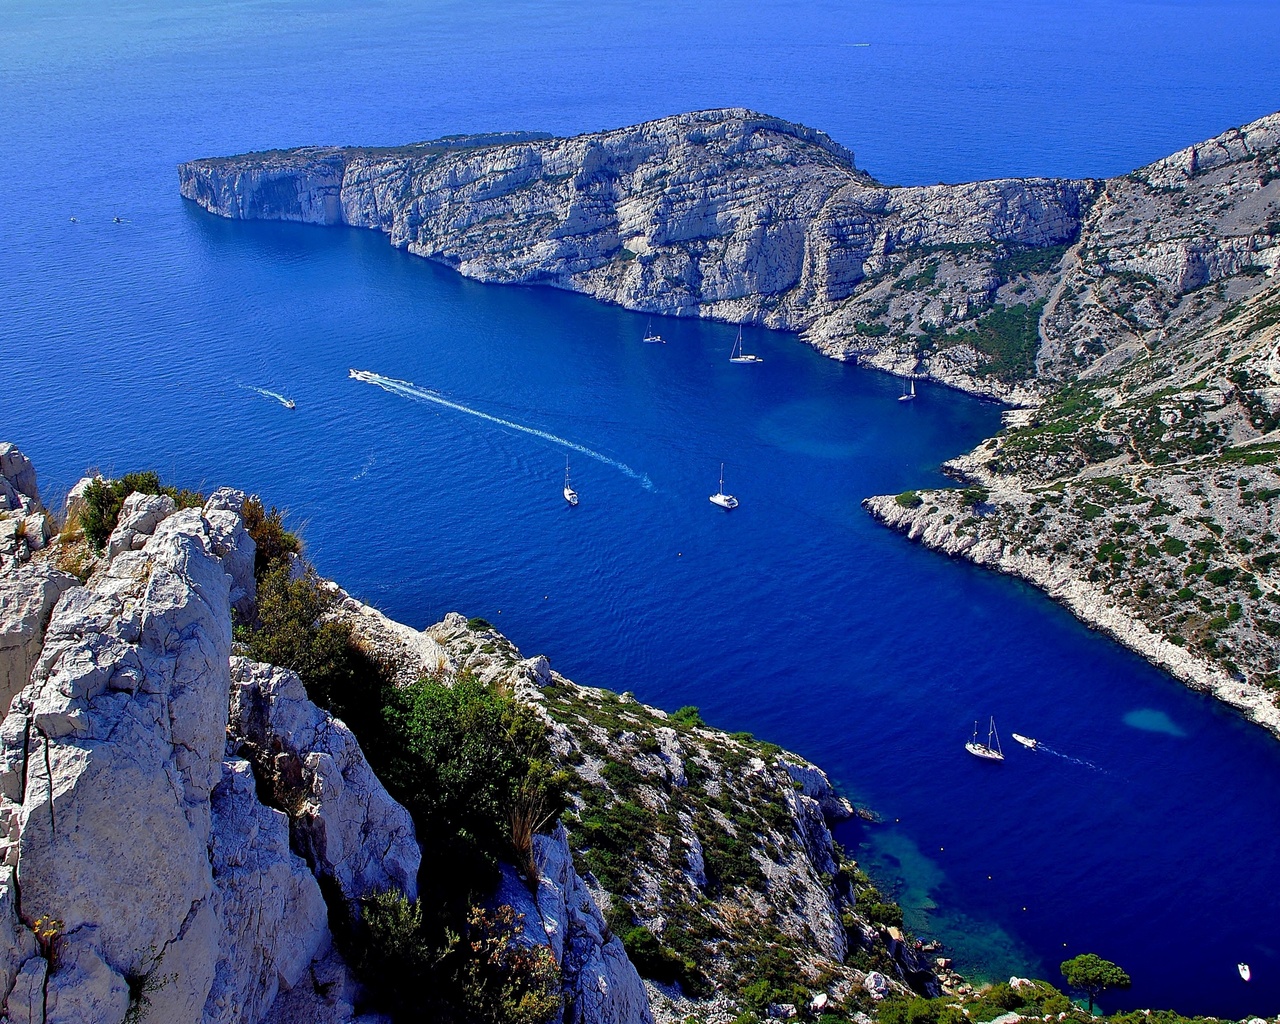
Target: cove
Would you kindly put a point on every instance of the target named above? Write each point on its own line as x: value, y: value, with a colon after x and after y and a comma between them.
x: 132, y: 345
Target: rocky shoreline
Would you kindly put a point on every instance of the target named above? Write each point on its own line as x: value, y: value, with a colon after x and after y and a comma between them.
x: 179, y: 824
x: 1132, y: 319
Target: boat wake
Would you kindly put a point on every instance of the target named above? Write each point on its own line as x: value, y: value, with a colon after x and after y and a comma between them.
x: 407, y: 389
x: 1042, y: 748
x: 287, y: 403
x: 368, y: 465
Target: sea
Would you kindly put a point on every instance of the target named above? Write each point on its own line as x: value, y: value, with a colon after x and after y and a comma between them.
x: 137, y: 331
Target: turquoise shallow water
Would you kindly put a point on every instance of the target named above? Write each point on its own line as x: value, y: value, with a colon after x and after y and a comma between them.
x: 1147, y: 833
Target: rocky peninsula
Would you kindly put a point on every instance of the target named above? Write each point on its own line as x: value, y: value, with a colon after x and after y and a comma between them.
x: 1132, y: 319
x: 188, y: 833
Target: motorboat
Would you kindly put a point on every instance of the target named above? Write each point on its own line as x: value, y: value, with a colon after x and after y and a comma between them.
x: 1245, y: 973
x: 1026, y: 741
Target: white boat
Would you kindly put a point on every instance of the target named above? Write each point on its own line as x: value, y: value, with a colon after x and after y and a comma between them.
x: 738, y: 356
x: 1026, y: 741
x: 1245, y: 973
x: 290, y: 404
x: 722, y: 499
x: 909, y: 396
x: 570, y: 495
x: 989, y: 751
x: 650, y: 338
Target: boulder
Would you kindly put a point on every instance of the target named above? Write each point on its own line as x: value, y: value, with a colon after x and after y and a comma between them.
x: 19, y: 477
x: 344, y: 822
x: 139, y: 517
x: 232, y: 543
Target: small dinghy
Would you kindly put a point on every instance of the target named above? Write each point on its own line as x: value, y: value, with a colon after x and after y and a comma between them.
x: 1245, y: 973
x: 1026, y: 741
x: 989, y: 751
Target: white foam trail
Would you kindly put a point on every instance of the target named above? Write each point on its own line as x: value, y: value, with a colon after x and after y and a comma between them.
x: 267, y: 394
x: 407, y: 389
x: 1073, y: 760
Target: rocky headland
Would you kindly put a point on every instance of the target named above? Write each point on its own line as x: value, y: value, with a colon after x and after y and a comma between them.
x: 1132, y: 319
x: 188, y: 834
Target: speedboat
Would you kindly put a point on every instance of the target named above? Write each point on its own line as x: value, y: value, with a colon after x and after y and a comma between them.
x: 1026, y: 741
x: 989, y: 751
x: 1245, y: 973
x: 290, y: 404
x: 722, y: 499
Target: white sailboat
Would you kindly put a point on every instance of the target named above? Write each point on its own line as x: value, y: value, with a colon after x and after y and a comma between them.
x: 738, y: 356
x: 989, y: 751
x: 570, y: 495
x: 650, y: 338
x: 722, y: 499
x: 909, y: 396
x: 1026, y: 741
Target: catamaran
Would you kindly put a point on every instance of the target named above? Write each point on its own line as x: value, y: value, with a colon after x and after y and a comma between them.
x: 989, y: 751
x: 570, y: 495
x: 738, y: 356
x: 909, y: 396
x: 1026, y: 741
x: 650, y: 338
x: 722, y: 499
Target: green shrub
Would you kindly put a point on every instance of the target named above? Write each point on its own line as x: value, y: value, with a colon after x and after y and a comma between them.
x: 909, y: 499
x: 479, y: 625
x: 687, y: 716
x: 104, y: 499
x: 273, y: 542
x: 481, y: 974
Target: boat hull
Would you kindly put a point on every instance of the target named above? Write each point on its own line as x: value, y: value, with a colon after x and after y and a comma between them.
x: 724, y: 500
x: 981, y: 750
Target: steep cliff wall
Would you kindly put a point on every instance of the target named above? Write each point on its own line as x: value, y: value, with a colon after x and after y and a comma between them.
x: 725, y: 214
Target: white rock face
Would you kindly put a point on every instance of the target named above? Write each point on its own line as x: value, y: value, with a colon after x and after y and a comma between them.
x: 340, y: 803
x: 601, y: 984
x: 274, y: 916
x: 27, y: 596
x: 18, y: 490
x: 139, y: 517
x: 123, y: 820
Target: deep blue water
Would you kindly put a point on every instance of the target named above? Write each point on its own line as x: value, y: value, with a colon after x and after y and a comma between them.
x: 1151, y: 841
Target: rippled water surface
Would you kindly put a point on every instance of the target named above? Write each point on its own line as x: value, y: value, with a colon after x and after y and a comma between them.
x: 1147, y: 828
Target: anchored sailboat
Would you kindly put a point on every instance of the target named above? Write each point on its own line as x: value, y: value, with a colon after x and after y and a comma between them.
x: 738, y: 356
x: 570, y: 495
x: 989, y: 751
x: 909, y: 396
x: 650, y: 338
x: 722, y: 499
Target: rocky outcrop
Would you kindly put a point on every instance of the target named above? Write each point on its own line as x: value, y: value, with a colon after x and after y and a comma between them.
x: 315, y: 767
x: 601, y: 984
x: 152, y: 879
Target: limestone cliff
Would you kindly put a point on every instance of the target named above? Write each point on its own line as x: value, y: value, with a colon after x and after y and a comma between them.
x: 174, y: 816
x: 726, y: 214
x: 1137, y: 315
